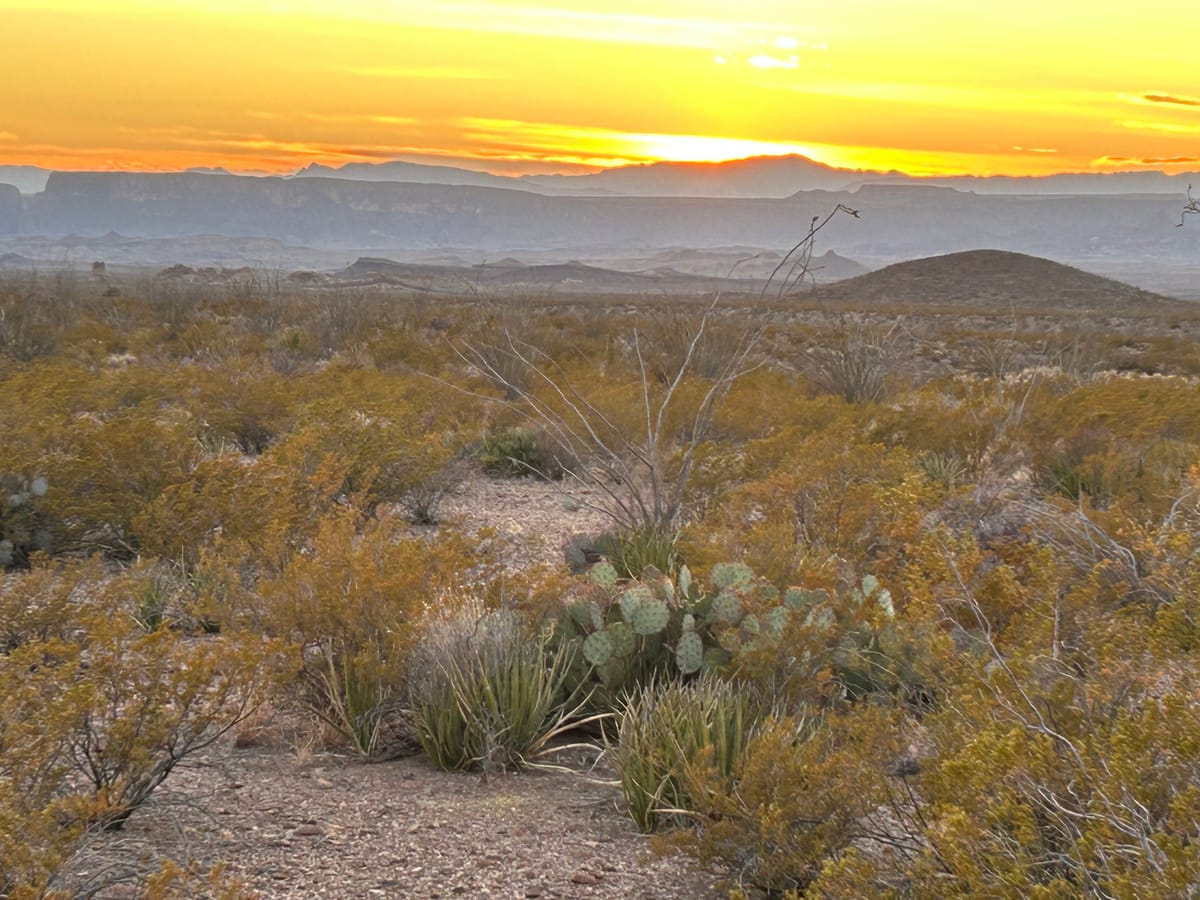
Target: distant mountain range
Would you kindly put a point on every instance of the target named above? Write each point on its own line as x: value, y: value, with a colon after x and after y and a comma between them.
x: 762, y: 176
x: 756, y: 177
x: 1133, y: 236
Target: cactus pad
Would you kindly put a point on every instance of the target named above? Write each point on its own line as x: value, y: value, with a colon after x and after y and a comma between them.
x: 623, y: 638
x: 598, y: 648
x: 689, y: 653
x: 716, y: 658
x: 614, y: 672
x: 884, y: 599
x: 689, y: 622
x: 726, y: 607
x: 820, y: 619
x: 728, y: 574
x: 650, y: 617
x: 750, y: 625
x: 633, y: 598
x: 580, y: 614
x: 798, y: 598
x: 775, y: 621
x: 603, y: 574
x: 683, y: 581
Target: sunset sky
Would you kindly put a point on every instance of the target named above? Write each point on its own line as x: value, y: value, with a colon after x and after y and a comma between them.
x: 923, y: 86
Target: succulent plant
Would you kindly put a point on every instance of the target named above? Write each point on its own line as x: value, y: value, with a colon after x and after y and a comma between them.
x: 684, y: 583
x: 598, y: 648
x: 580, y: 614
x: 716, y: 658
x: 650, y: 617
x: 726, y: 575
x: 633, y: 598
x: 624, y: 641
x: 775, y: 621
x: 799, y: 598
x: 750, y: 625
x: 726, y: 607
x: 689, y: 653
x: 603, y: 574
x: 657, y: 624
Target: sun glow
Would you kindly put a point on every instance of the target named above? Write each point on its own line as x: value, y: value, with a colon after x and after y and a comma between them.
x: 269, y: 85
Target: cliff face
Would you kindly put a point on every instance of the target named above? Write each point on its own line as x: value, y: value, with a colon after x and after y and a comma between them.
x: 896, y: 222
x: 325, y: 211
x: 10, y: 209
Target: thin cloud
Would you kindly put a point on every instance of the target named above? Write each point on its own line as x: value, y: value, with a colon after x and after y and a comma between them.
x: 1172, y: 99
x: 1035, y: 149
x: 7, y: 136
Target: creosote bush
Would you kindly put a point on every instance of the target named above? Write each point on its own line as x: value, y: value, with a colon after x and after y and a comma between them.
x: 97, y: 710
x: 353, y: 607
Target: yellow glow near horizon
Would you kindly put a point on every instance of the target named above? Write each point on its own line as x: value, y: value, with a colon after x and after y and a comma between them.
x: 930, y: 87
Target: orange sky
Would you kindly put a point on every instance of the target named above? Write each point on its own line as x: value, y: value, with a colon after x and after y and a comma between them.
x: 924, y: 86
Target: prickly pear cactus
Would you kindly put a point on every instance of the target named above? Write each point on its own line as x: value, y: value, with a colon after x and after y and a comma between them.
x: 729, y: 574
x: 633, y: 598
x: 716, y: 658
x: 775, y: 621
x: 598, y: 648
x: 650, y: 617
x: 799, y: 598
x: 580, y: 614
x: 689, y: 653
x: 683, y: 583
x: 820, y: 619
x: 623, y: 638
x: 726, y: 607
x: 750, y: 626
x: 603, y: 574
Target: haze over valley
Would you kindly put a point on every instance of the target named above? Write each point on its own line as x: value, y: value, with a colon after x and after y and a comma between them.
x: 698, y: 219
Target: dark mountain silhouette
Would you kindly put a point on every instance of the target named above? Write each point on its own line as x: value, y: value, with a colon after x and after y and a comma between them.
x: 991, y: 280
x: 762, y: 176
x: 412, y: 173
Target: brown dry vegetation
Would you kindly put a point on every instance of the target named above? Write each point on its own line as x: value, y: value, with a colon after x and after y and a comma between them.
x: 944, y: 557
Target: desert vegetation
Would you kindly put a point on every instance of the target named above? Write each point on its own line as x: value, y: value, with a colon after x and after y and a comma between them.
x: 896, y: 601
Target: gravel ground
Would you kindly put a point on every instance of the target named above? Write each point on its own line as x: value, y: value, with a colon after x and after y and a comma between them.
x: 290, y: 825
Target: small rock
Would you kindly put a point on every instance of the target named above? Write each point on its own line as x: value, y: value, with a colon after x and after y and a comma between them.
x: 584, y: 877
x: 324, y: 782
x: 309, y: 829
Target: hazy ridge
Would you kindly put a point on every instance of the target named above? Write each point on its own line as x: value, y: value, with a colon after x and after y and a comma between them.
x: 1131, y: 236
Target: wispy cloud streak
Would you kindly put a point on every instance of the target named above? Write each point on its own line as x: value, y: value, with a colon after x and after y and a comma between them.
x: 1171, y: 99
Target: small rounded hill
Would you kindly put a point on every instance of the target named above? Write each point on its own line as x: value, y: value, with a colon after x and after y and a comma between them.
x: 988, y: 279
